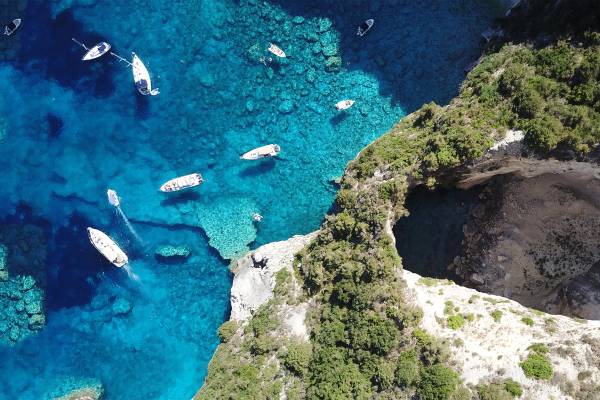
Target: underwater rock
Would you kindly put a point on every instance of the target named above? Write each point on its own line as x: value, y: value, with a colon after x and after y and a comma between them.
x: 323, y: 25
x: 27, y: 282
x: 121, y: 306
x: 77, y: 389
x: 286, y: 107
x: 37, y: 321
x: 3, y: 263
x: 333, y: 64
x: 172, y: 252
x: 14, y: 334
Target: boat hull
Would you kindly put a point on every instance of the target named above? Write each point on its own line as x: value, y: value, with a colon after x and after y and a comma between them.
x: 107, y: 247
x: 365, y: 27
x: 12, y: 27
x: 141, y: 77
x: 344, y: 104
x: 270, y: 150
x: 181, y: 183
x: 96, y: 52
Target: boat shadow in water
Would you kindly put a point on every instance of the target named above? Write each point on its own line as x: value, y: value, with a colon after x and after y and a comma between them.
x: 261, y: 167
x: 46, y: 49
x: 338, y: 118
x: 180, y: 197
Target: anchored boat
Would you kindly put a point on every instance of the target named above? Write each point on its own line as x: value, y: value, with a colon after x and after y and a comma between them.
x: 107, y: 247
x: 182, y: 182
x: 12, y: 27
x: 96, y: 52
x: 344, y: 104
x: 141, y: 77
x: 365, y: 27
x: 270, y: 150
x: 113, y: 198
x: 276, y: 50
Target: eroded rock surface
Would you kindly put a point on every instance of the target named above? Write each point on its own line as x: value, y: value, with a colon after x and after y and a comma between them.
x: 534, y: 237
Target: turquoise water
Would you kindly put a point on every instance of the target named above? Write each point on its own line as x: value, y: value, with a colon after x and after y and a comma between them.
x: 75, y: 129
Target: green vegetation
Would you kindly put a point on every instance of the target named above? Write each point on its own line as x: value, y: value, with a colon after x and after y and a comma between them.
x: 537, y: 366
x: 527, y: 321
x: 455, y: 321
x: 437, y: 383
x: 512, y: 387
x: 539, y: 348
x: 227, y: 330
x: 506, y: 390
x: 297, y: 357
x: 496, y: 315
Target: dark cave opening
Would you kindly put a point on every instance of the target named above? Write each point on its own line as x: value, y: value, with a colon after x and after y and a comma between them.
x: 430, y: 237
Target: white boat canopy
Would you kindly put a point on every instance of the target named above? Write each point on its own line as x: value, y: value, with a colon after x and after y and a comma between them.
x: 344, y: 104
x: 273, y: 48
x: 12, y: 27
x: 96, y: 52
x: 182, y: 182
x: 141, y: 77
x: 107, y: 247
x: 269, y: 150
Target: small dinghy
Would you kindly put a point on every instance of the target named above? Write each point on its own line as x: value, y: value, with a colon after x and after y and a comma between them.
x: 113, y: 198
x: 344, y: 104
x: 141, y: 77
x: 276, y: 50
x: 365, y: 27
x: 107, y: 247
x: 96, y: 52
x: 12, y: 27
x: 270, y: 150
x: 182, y: 182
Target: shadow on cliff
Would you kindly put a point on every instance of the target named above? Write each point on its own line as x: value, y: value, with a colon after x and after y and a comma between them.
x: 416, y: 50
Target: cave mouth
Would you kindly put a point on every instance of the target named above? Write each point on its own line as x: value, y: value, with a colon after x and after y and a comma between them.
x: 430, y: 237
x: 525, y: 230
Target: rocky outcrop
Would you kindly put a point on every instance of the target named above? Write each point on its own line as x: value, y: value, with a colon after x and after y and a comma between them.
x: 495, y: 334
x: 533, y: 237
x: 254, y: 279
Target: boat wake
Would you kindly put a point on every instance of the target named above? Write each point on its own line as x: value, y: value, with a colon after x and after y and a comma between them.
x: 130, y: 273
x: 129, y: 226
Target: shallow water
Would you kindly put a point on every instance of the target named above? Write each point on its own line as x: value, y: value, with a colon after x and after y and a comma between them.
x: 76, y: 129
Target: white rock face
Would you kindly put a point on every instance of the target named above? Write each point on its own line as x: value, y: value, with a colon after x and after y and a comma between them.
x: 253, y: 286
x: 511, y: 144
x: 493, y: 350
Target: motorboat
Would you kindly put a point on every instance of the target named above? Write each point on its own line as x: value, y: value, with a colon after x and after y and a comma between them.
x: 141, y: 77
x: 113, y: 198
x: 96, y: 52
x: 344, y: 104
x: 12, y: 27
x: 270, y: 150
x: 276, y: 50
x: 182, y: 182
x: 365, y: 27
x: 107, y: 247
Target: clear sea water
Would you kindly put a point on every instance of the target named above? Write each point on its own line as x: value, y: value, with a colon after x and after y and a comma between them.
x: 75, y: 129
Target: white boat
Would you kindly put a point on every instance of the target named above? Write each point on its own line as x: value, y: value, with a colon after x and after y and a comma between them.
x: 276, y: 50
x: 182, y: 182
x: 270, y: 150
x: 113, y: 198
x: 344, y: 104
x: 96, y: 52
x: 107, y: 247
x: 141, y: 77
x: 12, y: 27
x: 365, y: 27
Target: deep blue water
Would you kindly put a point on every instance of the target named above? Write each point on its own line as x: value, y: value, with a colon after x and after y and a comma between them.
x: 74, y: 129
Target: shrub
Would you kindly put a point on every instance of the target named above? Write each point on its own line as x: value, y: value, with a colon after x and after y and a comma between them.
x: 407, y: 369
x: 527, y: 321
x: 539, y: 348
x: 227, y: 330
x: 543, y: 134
x: 512, y: 387
x: 528, y: 103
x: 297, y: 357
x: 456, y: 321
x: 438, y: 382
x: 493, y: 391
x: 496, y: 315
x: 537, y: 366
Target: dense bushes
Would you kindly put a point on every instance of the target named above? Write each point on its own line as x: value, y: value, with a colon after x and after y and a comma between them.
x: 297, y: 357
x: 227, y: 330
x: 437, y: 383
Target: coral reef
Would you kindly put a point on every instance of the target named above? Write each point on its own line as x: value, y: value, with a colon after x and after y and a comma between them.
x: 172, y: 252
x: 21, y: 302
x: 78, y: 389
